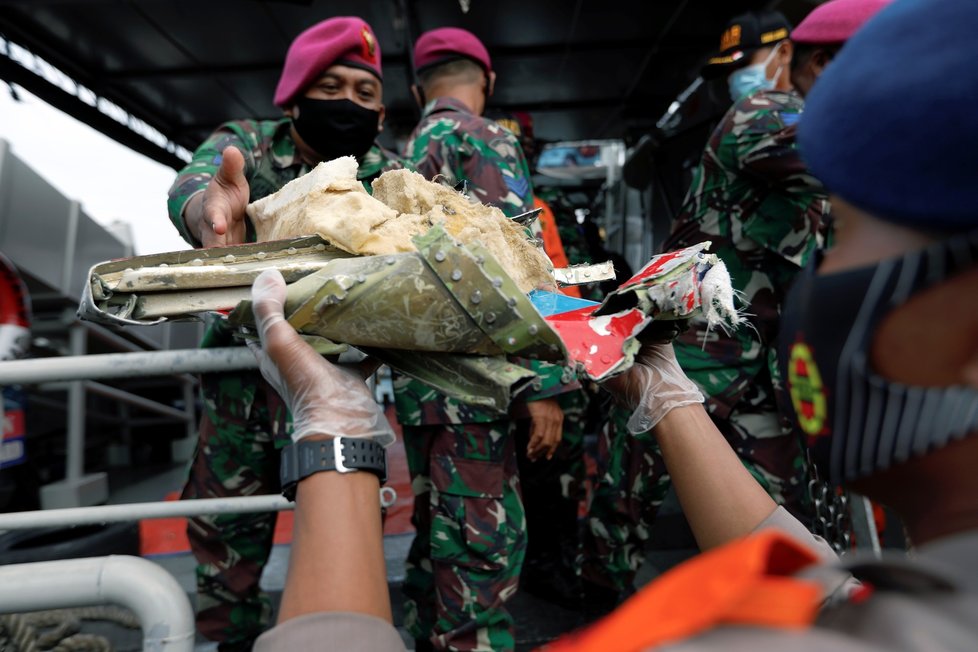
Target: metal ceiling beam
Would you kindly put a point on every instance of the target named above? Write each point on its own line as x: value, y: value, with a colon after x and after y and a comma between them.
x: 39, y: 44
x: 654, y: 50
x: 15, y: 73
x: 35, y: 3
x: 536, y: 106
x: 390, y: 60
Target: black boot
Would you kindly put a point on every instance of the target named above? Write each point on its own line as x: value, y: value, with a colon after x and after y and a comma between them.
x: 598, y: 600
x: 551, y: 581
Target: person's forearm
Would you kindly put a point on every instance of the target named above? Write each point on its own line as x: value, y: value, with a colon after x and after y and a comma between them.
x: 720, y: 498
x: 337, y: 559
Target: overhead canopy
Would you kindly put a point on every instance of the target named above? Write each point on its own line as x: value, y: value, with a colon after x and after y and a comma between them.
x: 583, y: 68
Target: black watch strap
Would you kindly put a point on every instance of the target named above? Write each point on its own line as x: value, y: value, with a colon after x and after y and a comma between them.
x: 341, y: 454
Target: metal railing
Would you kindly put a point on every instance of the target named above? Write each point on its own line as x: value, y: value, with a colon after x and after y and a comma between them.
x: 150, y: 592
x: 125, y: 365
x: 144, y: 587
x: 72, y: 516
x: 77, y: 374
x: 167, y: 509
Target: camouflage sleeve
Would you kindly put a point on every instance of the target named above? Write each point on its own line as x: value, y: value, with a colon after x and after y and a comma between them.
x: 498, y: 170
x: 487, y: 157
x: 790, y: 220
x: 434, y: 152
x: 765, y: 143
x: 203, y: 166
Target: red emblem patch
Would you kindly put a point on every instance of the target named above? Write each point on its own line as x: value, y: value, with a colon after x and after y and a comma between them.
x: 807, y: 391
x: 368, y: 49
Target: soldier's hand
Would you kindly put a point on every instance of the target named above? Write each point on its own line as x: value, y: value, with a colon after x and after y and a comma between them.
x: 218, y: 218
x: 324, y: 399
x: 653, y: 386
x: 546, y: 428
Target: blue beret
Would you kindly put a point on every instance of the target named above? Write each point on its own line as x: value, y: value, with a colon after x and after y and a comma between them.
x: 891, y: 125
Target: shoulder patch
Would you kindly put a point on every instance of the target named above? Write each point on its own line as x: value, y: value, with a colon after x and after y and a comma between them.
x: 790, y: 119
x: 520, y: 186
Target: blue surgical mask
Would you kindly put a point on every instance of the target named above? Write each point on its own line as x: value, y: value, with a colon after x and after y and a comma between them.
x: 752, y: 78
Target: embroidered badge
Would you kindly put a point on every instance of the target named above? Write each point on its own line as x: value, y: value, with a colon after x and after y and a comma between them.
x: 807, y: 390
x: 790, y: 119
x: 520, y: 186
x: 730, y: 38
x: 369, y: 45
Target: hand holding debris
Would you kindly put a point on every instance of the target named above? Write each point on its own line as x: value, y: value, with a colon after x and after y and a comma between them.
x: 324, y: 399
x: 654, y: 385
x: 219, y: 219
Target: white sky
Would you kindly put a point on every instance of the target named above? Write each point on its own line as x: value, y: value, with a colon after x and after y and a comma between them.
x: 111, y: 181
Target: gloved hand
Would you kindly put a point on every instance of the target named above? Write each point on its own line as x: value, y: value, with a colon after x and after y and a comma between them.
x: 325, y: 399
x: 654, y: 385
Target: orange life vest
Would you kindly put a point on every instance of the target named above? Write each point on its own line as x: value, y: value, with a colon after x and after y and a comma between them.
x: 551, y: 242
x: 747, y: 582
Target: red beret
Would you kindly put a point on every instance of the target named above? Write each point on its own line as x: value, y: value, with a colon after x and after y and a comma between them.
x: 835, y: 21
x: 447, y: 43
x: 347, y: 39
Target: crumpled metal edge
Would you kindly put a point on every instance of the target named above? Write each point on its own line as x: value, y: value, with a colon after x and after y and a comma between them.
x: 604, y: 340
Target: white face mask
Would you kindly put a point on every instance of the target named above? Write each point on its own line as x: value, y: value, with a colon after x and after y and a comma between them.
x: 753, y: 77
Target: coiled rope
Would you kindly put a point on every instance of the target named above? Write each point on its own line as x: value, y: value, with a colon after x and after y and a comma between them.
x: 57, y: 630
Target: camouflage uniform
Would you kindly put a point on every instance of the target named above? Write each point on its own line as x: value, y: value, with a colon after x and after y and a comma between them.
x: 753, y: 197
x: 465, y: 560
x: 571, y: 233
x: 244, y: 421
x: 630, y: 486
x: 553, y: 491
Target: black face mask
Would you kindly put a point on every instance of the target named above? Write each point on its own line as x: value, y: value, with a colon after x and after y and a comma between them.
x: 858, y: 422
x: 336, y: 128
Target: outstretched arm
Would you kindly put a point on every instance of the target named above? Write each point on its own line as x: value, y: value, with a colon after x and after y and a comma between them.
x: 216, y: 217
x: 720, y: 498
x: 337, y: 562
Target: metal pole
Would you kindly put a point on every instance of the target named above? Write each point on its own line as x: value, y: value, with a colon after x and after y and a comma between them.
x: 71, y: 245
x: 167, y: 509
x: 190, y: 408
x: 125, y: 365
x: 864, y: 524
x: 150, y: 592
x: 122, y: 396
x: 138, y: 511
x: 75, y: 464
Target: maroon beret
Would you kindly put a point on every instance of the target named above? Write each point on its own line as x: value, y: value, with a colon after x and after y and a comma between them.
x: 835, y: 21
x: 448, y: 43
x: 346, y: 39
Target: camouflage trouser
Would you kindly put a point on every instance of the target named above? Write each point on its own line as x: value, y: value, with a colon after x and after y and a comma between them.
x: 554, y: 489
x: 465, y: 561
x: 632, y: 483
x: 236, y: 456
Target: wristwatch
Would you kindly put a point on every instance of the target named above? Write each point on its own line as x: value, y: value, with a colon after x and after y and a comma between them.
x: 340, y: 454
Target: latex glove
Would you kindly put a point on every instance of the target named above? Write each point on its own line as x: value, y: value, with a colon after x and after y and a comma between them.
x: 546, y: 428
x: 653, y: 386
x: 325, y: 399
x: 217, y: 218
